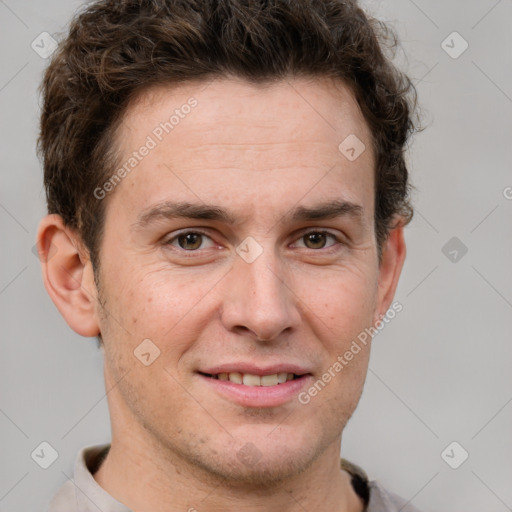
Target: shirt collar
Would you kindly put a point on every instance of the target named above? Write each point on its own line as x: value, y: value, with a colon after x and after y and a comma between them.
x: 90, y: 496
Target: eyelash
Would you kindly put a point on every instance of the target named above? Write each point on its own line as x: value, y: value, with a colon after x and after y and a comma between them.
x: 325, y: 250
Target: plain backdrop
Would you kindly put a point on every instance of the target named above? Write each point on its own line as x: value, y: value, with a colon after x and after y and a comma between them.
x: 439, y: 373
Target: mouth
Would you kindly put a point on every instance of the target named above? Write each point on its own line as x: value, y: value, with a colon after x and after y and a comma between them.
x: 253, y: 380
x: 253, y: 390
x: 254, y: 385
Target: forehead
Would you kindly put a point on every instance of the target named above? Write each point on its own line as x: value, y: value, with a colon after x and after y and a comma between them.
x: 210, y: 138
x: 321, y: 107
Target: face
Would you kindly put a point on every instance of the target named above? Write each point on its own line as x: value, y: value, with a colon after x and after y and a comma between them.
x: 241, y: 242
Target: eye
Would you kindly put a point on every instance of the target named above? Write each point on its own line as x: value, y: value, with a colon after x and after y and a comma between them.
x: 318, y: 239
x: 192, y: 241
x: 189, y: 240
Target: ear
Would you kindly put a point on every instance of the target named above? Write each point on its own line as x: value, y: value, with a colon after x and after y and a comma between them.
x: 390, y: 268
x: 68, y: 275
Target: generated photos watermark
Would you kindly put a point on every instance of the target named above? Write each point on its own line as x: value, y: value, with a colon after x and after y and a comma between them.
x: 152, y: 141
x: 343, y: 360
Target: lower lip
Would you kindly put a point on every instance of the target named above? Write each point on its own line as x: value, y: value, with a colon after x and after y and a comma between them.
x: 259, y: 396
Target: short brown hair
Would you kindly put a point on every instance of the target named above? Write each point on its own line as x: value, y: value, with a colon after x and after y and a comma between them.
x: 117, y: 48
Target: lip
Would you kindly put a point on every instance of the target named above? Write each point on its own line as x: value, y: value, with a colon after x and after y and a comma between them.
x: 254, y: 369
x: 258, y: 396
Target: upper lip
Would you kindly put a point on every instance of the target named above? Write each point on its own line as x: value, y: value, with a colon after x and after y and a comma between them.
x: 255, y: 369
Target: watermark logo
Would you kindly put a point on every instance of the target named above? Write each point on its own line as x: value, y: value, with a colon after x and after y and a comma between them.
x: 454, y: 249
x: 44, y: 45
x: 454, y: 45
x: 44, y: 455
x: 249, y: 250
x: 52, y: 250
x: 249, y: 454
x: 454, y: 455
x: 147, y: 352
x: 352, y: 147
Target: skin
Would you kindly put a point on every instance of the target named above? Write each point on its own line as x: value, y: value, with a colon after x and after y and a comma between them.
x: 257, y: 152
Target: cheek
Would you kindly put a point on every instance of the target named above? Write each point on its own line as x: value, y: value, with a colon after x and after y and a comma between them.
x: 345, y: 301
x: 170, y: 308
x: 145, y: 297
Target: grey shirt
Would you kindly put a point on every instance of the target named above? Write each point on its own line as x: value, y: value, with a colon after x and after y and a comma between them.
x: 84, y: 494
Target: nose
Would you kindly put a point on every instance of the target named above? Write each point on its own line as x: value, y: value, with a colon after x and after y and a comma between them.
x: 259, y: 299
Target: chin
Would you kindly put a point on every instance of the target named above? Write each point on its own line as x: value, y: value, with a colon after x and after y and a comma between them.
x: 267, y: 471
x: 260, y: 460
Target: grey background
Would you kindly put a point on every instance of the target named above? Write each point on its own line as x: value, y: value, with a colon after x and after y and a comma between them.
x: 440, y: 372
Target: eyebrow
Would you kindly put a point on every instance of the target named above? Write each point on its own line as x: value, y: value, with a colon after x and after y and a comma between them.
x: 329, y: 210
x: 172, y: 210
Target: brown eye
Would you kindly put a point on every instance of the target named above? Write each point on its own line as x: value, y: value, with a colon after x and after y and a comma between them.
x: 318, y: 240
x: 190, y: 241
x: 315, y: 240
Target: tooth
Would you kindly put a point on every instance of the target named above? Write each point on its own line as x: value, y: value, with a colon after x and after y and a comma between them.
x: 281, y: 377
x: 269, y: 380
x: 251, y: 380
x: 235, y: 377
x: 255, y: 380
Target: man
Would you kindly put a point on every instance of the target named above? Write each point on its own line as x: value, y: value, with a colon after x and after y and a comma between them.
x: 227, y: 195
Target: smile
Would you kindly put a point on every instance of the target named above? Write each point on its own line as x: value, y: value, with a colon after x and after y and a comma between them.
x: 248, y: 379
x: 255, y: 391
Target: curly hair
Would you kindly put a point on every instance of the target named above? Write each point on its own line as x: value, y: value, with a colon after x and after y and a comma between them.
x: 117, y: 48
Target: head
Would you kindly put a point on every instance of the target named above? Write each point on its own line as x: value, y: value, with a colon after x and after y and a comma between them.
x: 227, y: 180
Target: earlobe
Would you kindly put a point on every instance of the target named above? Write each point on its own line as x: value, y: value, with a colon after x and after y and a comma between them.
x: 68, y: 275
x: 390, y: 268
